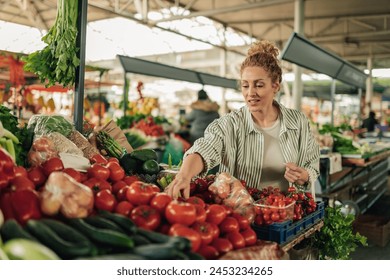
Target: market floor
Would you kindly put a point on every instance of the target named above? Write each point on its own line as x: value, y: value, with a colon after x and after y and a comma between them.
x: 372, y: 251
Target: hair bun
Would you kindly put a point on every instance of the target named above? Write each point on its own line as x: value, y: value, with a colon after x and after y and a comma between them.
x: 263, y: 46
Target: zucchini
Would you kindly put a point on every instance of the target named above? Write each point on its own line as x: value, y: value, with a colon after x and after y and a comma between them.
x: 122, y: 256
x: 162, y: 251
x: 12, y: 229
x: 144, y: 154
x: 101, y: 222
x: 140, y: 240
x: 65, y: 241
x: 178, y: 242
x: 130, y: 164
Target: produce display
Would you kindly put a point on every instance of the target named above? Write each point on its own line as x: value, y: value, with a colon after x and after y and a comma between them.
x: 82, y: 197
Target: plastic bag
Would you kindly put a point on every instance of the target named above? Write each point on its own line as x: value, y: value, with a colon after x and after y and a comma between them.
x: 229, y: 191
x: 62, y: 194
x: 64, y: 145
x: 46, y: 124
x: 41, y: 150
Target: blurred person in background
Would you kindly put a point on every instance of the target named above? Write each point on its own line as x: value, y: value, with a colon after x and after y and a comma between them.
x: 370, y: 122
x: 203, y: 112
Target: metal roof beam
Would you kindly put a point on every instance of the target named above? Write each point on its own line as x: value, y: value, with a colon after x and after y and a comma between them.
x: 32, y: 13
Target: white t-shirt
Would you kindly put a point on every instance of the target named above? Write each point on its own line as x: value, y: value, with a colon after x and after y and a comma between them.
x: 273, y: 161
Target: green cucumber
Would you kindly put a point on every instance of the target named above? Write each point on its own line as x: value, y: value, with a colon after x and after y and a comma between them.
x: 130, y: 165
x: 101, y: 222
x: 124, y: 222
x: 144, y: 154
x: 65, y: 241
x: 140, y: 240
x: 178, y: 242
x: 150, y: 167
x: 12, y: 229
x: 121, y: 256
x: 103, y: 236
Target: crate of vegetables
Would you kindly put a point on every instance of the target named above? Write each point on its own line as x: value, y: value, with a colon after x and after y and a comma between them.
x: 282, y: 232
x: 274, y: 209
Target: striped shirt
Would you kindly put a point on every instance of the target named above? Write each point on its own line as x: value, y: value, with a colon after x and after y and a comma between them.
x: 233, y: 142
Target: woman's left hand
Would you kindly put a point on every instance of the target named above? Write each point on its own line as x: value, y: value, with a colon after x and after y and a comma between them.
x: 296, y: 174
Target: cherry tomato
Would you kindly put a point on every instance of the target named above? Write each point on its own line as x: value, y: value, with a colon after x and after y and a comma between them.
x: 215, y: 214
x: 208, y: 252
x: 160, y: 202
x: 116, y: 171
x: 20, y: 171
x: 146, y: 217
x: 36, y: 175
x: 189, y: 233
x: 180, y: 212
x: 229, y: 224
x: 275, y: 217
x: 140, y: 193
x: 236, y: 239
x: 205, y: 230
x: 259, y: 220
x: 98, y: 171
x: 250, y: 236
x: 223, y: 245
x: 73, y: 173
x: 124, y: 208
x: 51, y: 165
x: 105, y: 200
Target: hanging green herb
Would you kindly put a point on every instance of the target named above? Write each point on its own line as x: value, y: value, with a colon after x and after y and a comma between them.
x: 57, y: 62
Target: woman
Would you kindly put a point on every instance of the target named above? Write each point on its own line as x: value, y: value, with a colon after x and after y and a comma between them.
x: 263, y: 143
x: 204, y: 111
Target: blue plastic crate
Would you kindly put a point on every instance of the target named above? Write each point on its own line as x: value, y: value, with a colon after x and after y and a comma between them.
x: 286, y: 231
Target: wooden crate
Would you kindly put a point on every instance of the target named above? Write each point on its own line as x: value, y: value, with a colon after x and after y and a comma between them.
x: 375, y: 228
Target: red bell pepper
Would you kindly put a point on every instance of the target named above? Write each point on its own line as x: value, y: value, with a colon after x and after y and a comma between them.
x: 6, y: 168
x: 21, y: 205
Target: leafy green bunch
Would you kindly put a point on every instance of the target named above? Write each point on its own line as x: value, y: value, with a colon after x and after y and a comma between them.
x: 57, y: 62
x: 336, y: 239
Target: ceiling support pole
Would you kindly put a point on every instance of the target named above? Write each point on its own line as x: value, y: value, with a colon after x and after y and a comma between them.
x: 369, y: 88
x: 297, y: 91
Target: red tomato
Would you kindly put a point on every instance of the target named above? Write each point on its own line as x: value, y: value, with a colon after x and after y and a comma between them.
x: 223, y: 245
x: 22, y: 183
x: 73, y: 173
x: 200, y: 213
x: 124, y: 208
x: 131, y: 179
x: 259, y: 220
x: 160, y: 202
x: 146, y: 217
x: 140, y: 193
x: 243, y: 222
x: 98, y: 171
x: 190, y: 234
x: 250, y: 236
x: 229, y: 224
x: 180, y: 212
x: 117, y: 186
x: 215, y: 214
x: 97, y: 185
x: 116, y: 171
x: 229, y: 210
x: 205, y: 230
x: 113, y: 159
x: 215, y: 230
x: 121, y: 194
x: 36, y: 175
x: 105, y: 200
x: 196, y: 200
x: 236, y: 239
x: 20, y: 171
x: 208, y: 252
x: 51, y: 165
x: 98, y: 158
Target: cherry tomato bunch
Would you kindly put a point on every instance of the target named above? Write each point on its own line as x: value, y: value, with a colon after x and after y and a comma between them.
x: 276, y: 206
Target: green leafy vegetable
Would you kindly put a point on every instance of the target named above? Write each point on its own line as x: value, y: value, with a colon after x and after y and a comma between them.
x: 57, y: 62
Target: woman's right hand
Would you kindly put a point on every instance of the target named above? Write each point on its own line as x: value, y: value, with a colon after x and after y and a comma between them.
x: 179, y: 187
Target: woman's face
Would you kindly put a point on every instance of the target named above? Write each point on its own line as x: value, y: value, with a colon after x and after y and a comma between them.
x: 257, y: 88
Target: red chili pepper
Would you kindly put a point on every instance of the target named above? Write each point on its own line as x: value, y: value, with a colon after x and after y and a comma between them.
x: 21, y: 205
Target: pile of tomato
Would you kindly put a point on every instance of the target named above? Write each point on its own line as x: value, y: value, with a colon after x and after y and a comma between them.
x: 149, y: 127
x: 276, y: 206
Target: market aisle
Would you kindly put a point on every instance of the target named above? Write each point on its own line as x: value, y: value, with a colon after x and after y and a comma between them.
x: 374, y: 252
